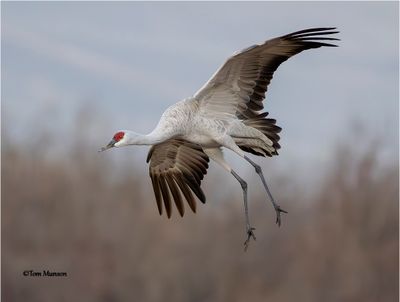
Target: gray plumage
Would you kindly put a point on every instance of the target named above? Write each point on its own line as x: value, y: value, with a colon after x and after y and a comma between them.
x: 225, y: 112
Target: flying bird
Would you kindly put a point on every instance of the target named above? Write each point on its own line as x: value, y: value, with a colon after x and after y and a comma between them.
x: 225, y: 112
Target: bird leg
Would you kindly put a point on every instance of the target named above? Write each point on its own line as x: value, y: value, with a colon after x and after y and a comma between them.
x: 217, y: 156
x: 249, y: 229
x: 277, y: 208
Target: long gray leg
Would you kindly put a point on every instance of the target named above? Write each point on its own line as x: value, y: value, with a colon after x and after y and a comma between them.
x: 228, y: 142
x: 249, y: 228
x: 216, y: 155
x: 277, y: 208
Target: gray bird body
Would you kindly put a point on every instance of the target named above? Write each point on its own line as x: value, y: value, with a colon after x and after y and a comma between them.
x: 185, y: 120
x: 225, y: 112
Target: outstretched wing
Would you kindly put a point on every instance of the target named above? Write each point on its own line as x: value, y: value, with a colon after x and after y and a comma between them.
x: 238, y: 87
x: 177, y: 166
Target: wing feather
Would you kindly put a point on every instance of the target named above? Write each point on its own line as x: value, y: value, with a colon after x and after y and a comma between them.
x: 186, y: 192
x: 157, y: 192
x: 177, y: 168
x: 176, y: 194
x: 165, y: 194
x: 239, y: 86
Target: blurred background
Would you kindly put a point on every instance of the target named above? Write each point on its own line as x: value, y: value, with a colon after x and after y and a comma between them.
x: 72, y: 73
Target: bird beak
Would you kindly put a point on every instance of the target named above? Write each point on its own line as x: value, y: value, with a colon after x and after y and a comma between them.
x: 110, y: 145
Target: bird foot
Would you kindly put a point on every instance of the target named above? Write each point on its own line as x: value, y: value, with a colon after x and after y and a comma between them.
x: 250, y: 234
x: 278, y: 211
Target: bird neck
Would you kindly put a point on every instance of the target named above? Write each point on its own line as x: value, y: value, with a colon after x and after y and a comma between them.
x: 145, y: 139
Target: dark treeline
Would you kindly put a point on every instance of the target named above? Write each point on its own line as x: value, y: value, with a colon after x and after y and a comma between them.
x: 67, y: 215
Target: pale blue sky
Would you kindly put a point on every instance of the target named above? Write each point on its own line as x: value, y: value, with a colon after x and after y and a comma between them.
x: 130, y: 60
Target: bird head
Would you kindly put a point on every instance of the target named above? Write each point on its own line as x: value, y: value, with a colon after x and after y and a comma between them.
x: 118, y: 140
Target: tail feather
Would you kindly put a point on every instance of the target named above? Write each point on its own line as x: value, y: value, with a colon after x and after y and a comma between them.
x: 269, y: 128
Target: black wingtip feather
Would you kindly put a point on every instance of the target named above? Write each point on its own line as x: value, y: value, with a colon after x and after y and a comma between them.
x: 311, y: 37
x: 315, y: 34
x: 321, y: 30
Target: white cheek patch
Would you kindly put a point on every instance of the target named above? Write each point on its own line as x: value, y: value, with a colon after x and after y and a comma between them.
x: 119, y: 143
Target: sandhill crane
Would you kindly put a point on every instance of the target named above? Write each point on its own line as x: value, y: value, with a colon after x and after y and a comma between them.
x: 225, y: 112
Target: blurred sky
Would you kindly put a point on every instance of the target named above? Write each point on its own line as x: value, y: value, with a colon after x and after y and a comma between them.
x: 128, y: 61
